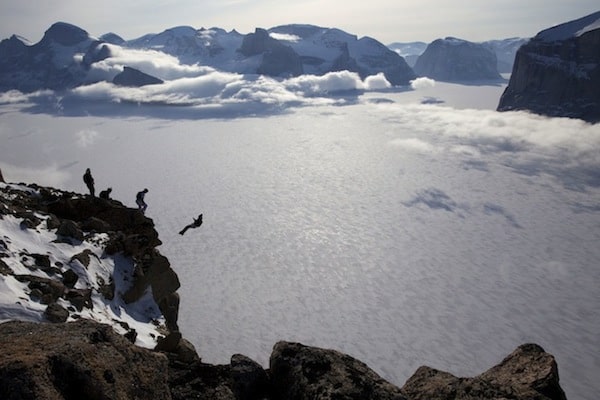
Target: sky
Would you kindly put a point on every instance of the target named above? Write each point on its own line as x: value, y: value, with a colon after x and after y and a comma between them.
x: 385, y: 20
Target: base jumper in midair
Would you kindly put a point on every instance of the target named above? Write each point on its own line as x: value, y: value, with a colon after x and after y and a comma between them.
x: 197, y: 222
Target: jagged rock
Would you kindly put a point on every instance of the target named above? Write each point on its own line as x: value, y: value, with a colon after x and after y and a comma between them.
x: 169, y: 306
x: 83, y: 257
x: 95, y: 224
x: 50, y: 288
x: 455, y: 60
x: 79, y: 298
x: 56, y: 313
x: 300, y: 372
x: 69, y: 229
x: 153, y: 270
x: 78, y: 360
x: 186, y: 352
x: 277, y: 60
x: 250, y: 380
x: 169, y: 343
x: 132, y: 77
x: 557, y: 73
x: 529, y: 373
x: 70, y: 278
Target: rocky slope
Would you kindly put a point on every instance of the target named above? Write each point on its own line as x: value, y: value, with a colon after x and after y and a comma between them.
x: 457, y: 60
x: 62, y: 339
x: 557, y: 73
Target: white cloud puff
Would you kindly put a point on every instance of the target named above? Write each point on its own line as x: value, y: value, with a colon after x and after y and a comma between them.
x: 376, y: 82
x: 422, y: 83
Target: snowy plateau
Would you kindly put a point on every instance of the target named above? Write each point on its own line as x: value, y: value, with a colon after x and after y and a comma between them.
x: 403, y: 225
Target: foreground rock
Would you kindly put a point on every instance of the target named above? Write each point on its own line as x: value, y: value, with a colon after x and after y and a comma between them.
x: 87, y: 360
x: 80, y: 360
x: 303, y: 373
x: 529, y: 373
x: 557, y: 73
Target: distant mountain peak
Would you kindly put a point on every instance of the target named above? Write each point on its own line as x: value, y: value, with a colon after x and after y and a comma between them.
x: 65, y: 34
x: 570, y: 29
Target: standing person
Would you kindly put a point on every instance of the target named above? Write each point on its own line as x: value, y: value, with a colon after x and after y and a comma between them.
x: 89, y: 181
x: 197, y: 222
x: 139, y: 200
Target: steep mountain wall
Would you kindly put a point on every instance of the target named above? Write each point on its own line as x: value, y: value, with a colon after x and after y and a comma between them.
x: 557, y: 73
x: 457, y: 60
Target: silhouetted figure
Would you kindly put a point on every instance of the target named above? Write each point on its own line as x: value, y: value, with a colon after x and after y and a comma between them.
x: 197, y: 222
x: 105, y: 194
x: 89, y: 181
x: 139, y: 200
x: 1, y: 177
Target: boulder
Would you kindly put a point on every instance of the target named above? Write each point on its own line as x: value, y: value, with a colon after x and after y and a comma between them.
x: 77, y: 360
x: 529, y: 373
x: 299, y: 372
x: 250, y: 380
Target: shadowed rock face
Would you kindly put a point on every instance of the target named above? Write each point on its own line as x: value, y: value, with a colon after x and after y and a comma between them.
x: 131, y: 77
x: 83, y: 359
x: 457, y: 60
x: 528, y: 373
x: 557, y: 75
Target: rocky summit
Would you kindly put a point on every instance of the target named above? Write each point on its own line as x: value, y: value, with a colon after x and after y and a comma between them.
x: 557, y: 73
x: 68, y: 260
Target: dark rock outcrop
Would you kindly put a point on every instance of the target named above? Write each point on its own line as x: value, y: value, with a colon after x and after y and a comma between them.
x: 528, y: 373
x: 300, y: 372
x: 134, y: 78
x: 78, y: 360
x: 75, y: 217
x: 277, y: 59
x: 557, y: 73
x: 457, y: 60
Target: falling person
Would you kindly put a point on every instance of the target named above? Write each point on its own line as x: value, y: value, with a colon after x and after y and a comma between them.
x: 197, y: 222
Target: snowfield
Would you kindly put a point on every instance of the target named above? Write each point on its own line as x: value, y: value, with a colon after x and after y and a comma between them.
x: 402, y: 227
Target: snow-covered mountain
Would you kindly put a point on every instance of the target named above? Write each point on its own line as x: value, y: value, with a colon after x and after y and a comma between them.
x: 557, y: 73
x: 310, y: 50
x: 55, y: 62
x: 453, y: 59
x: 66, y: 56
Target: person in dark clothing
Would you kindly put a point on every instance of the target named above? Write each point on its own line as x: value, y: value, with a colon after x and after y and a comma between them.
x: 105, y: 194
x: 197, y: 222
x: 139, y: 200
x: 89, y: 181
